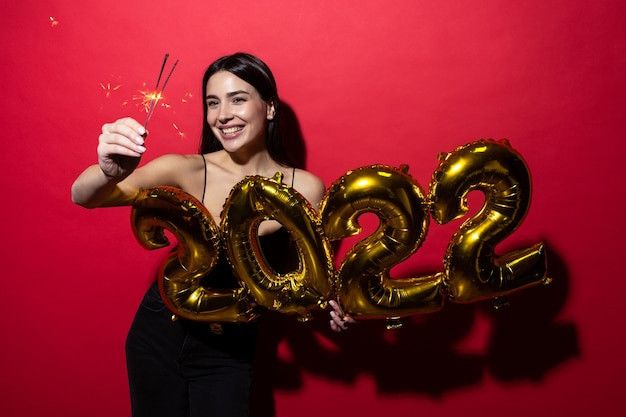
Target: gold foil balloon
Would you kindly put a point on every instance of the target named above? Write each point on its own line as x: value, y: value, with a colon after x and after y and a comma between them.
x: 254, y: 200
x: 473, y: 271
x: 195, y: 256
x: 364, y: 286
x: 362, y: 282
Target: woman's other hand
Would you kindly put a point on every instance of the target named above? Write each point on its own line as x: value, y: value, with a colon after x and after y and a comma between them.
x: 339, y: 321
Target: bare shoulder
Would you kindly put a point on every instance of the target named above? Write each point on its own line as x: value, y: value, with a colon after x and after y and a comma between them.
x: 170, y: 169
x: 176, y: 161
x: 216, y: 160
x: 303, y: 177
x: 309, y: 185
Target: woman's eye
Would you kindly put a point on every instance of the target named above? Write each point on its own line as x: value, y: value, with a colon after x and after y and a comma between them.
x: 211, y: 103
x: 238, y: 100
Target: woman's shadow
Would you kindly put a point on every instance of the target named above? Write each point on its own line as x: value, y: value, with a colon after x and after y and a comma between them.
x: 525, y: 340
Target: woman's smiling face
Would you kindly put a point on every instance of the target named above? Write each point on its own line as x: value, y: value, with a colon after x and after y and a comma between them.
x: 236, y: 112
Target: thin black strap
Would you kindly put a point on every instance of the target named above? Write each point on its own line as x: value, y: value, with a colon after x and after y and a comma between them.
x: 204, y: 188
x: 293, y: 175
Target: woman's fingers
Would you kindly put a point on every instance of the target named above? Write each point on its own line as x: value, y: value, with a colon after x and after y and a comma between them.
x: 119, y: 147
x: 122, y: 137
x: 126, y: 132
x: 126, y: 125
x: 338, y: 320
x: 109, y: 148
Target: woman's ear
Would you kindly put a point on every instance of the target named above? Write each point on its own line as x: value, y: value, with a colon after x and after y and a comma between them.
x: 271, y: 110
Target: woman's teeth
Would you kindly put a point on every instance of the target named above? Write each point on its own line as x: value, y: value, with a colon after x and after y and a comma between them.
x: 231, y: 130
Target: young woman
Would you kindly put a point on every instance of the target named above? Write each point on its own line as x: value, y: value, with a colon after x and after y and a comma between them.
x: 182, y: 367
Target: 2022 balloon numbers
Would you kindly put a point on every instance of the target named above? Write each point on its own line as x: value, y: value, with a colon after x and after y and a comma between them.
x: 361, y: 281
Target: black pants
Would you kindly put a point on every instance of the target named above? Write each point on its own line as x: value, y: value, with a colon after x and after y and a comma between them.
x: 183, y: 369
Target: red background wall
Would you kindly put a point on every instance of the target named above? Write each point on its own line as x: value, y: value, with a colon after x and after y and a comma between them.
x: 367, y: 82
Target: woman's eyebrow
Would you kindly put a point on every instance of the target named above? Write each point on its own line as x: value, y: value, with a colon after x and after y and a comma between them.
x: 230, y: 94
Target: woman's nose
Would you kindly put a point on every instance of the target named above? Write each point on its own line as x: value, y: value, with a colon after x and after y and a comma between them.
x: 225, y: 114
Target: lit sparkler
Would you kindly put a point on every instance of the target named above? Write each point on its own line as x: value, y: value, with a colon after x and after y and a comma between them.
x: 151, y: 99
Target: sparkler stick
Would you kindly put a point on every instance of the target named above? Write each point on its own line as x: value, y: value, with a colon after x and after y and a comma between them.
x: 161, y: 72
x: 169, y: 75
x: 157, y: 95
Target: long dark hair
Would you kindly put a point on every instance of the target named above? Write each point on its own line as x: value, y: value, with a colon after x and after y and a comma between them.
x: 256, y: 73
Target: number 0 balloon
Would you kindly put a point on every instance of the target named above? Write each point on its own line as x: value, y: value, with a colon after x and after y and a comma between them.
x: 256, y: 199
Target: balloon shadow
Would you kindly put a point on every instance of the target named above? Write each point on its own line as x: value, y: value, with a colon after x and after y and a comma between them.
x: 419, y: 357
x: 422, y: 357
x: 527, y: 341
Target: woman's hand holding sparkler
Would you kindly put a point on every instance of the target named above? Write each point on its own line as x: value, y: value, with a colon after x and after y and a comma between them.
x: 120, y: 147
x: 121, y: 143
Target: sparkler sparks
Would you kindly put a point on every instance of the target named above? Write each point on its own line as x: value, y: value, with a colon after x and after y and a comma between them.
x: 186, y: 97
x: 108, y: 90
x: 180, y: 133
x: 148, y: 99
x: 53, y: 22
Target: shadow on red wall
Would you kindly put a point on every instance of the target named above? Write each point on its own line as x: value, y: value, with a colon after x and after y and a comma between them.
x: 292, y: 136
x: 525, y: 342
